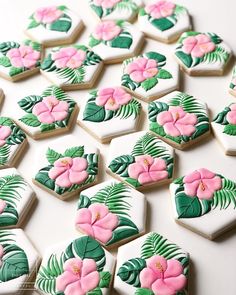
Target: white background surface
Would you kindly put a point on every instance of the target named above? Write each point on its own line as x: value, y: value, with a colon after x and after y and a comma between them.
x: 213, y: 269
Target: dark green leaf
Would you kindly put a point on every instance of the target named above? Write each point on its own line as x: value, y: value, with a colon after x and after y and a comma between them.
x: 61, y: 25
x: 93, y: 42
x: 230, y: 129
x: 163, y: 74
x: 43, y: 178
x: 149, y: 83
x: 9, y: 216
x: 105, y: 279
x: 157, y: 56
x: 143, y: 291
x: 84, y: 202
x: 134, y: 182
x: 120, y: 164
x: 185, y: 58
x: 98, y: 10
x: 162, y: 24
x: 27, y: 103
x: 122, y: 41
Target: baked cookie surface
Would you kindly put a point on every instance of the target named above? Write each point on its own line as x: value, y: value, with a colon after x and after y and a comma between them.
x: 109, y: 112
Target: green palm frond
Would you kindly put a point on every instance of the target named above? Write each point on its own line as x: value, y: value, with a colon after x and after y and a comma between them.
x: 156, y: 244
x: 55, y: 91
x: 133, y: 108
x: 4, y: 154
x: 9, y: 188
x: 72, y: 76
x: 218, y: 55
x: 46, y: 278
x: 126, y: 5
x: 149, y: 144
x: 225, y: 196
x: 113, y: 196
x: 188, y: 103
x: 6, y: 236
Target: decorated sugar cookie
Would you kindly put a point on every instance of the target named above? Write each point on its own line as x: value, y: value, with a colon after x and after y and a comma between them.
x: 53, y: 25
x: 202, y: 53
x: 109, y: 112
x: 18, y: 61
x: 141, y: 160
x: 66, y: 166
x: 50, y: 113
x: 16, y: 198
x: 150, y: 75
x: 18, y: 261
x: 72, y: 67
x: 116, y: 9
x: 152, y: 265
x: 2, y: 95
x: 163, y: 20
x: 80, y: 266
x: 204, y: 202
x: 12, y: 142
x: 232, y: 85
x: 111, y: 212
x: 115, y: 40
x: 179, y: 119
x: 224, y: 127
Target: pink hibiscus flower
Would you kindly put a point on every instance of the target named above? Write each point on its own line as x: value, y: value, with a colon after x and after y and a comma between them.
x: 97, y: 221
x: 68, y: 171
x: 198, y: 45
x: 69, y: 57
x: 106, y: 3
x: 24, y: 56
x: 79, y: 277
x: 141, y: 69
x: 106, y: 30
x: 146, y: 169
x: 177, y: 122
x: 5, y: 132
x: 202, y: 183
x: 1, y: 254
x: 3, y: 205
x: 47, y: 15
x: 112, y: 98
x: 231, y: 115
x: 163, y: 277
x: 50, y: 109
x: 160, y: 9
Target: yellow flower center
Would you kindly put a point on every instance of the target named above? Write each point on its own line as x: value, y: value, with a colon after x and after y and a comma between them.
x: 177, y: 116
x: 159, y: 267
x: 202, y: 186
x: 111, y: 101
x: 65, y: 162
x: 97, y: 216
x: 76, y: 269
x: 145, y: 161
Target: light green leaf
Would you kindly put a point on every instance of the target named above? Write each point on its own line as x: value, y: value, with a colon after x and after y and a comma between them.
x: 5, y: 61
x: 163, y: 74
x: 230, y: 129
x: 162, y: 24
x: 63, y: 24
x: 149, y: 83
x: 133, y: 108
x: 124, y: 40
x: 15, y: 71
x: 105, y: 279
x: 4, y: 154
x: 143, y: 291
x: 52, y: 156
x: 226, y: 196
x: 74, y: 152
x: 33, y: 24
x: 93, y: 42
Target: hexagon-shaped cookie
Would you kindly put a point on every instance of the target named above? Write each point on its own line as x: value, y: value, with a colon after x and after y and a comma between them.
x: 202, y: 54
x: 51, y: 113
x: 13, y: 142
x: 53, y: 25
x: 163, y: 20
x: 232, y: 85
x: 224, y: 128
x: 109, y: 112
x: 116, y: 10
x: 66, y: 166
x: 18, y: 61
x: 16, y: 198
x: 111, y: 212
x: 179, y: 119
x: 151, y: 256
x: 204, y: 202
x: 116, y: 40
x: 19, y: 261
x: 83, y: 259
x: 72, y: 67
x: 141, y: 160
x: 150, y: 75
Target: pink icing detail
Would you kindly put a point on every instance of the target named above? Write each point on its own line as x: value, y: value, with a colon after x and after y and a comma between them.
x: 106, y: 30
x: 231, y: 115
x: 177, y: 122
x: 68, y: 171
x: 69, y: 57
x: 79, y: 277
x: 106, y: 3
x: 97, y: 221
x: 24, y: 56
x: 5, y: 132
x: 163, y: 277
x: 50, y: 110
x: 2, y: 206
x: 112, y: 98
x: 202, y: 183
x: 47, y: 15
x: 160, y: 9
x: 1, y: 254
x: 198, y: 45
x: 146, y: 169
x: 142, y: 68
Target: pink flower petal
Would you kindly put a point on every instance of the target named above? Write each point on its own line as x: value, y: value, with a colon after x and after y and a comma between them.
x: 56, y: 171
x: 87, y: 229
x: 64, y: 280
x: 74, y: 289
x: 164, y: 117
x: 59, y: 116
x: 171, y: 129
x: 134, y: 170
x: 46, y: 118
x: 110, y: 221
x: 185, y: 130
x: 231, y: 117
x: 158, y: 165
x: 101, y: 234
x: 191, y: 177
x: 137, y: 76
x: 39, y: 108
x: 161, y: 288
x: 63, y: 162
x: 76, y: 177
x: 63, y: 180
x: 205, y: 173
x: 174, y: 268
x: 191, y: 188
x: 158, y: 264
x: 147, y: 277
x: 176, y: 283
x: 79, y: 164
x: 83, y: 215
x: 89, y: 266
x: 3, y: 205
x: 100, y: 209
x: 5, y: 131
x: 90, y: 281
x: 111, y: 105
